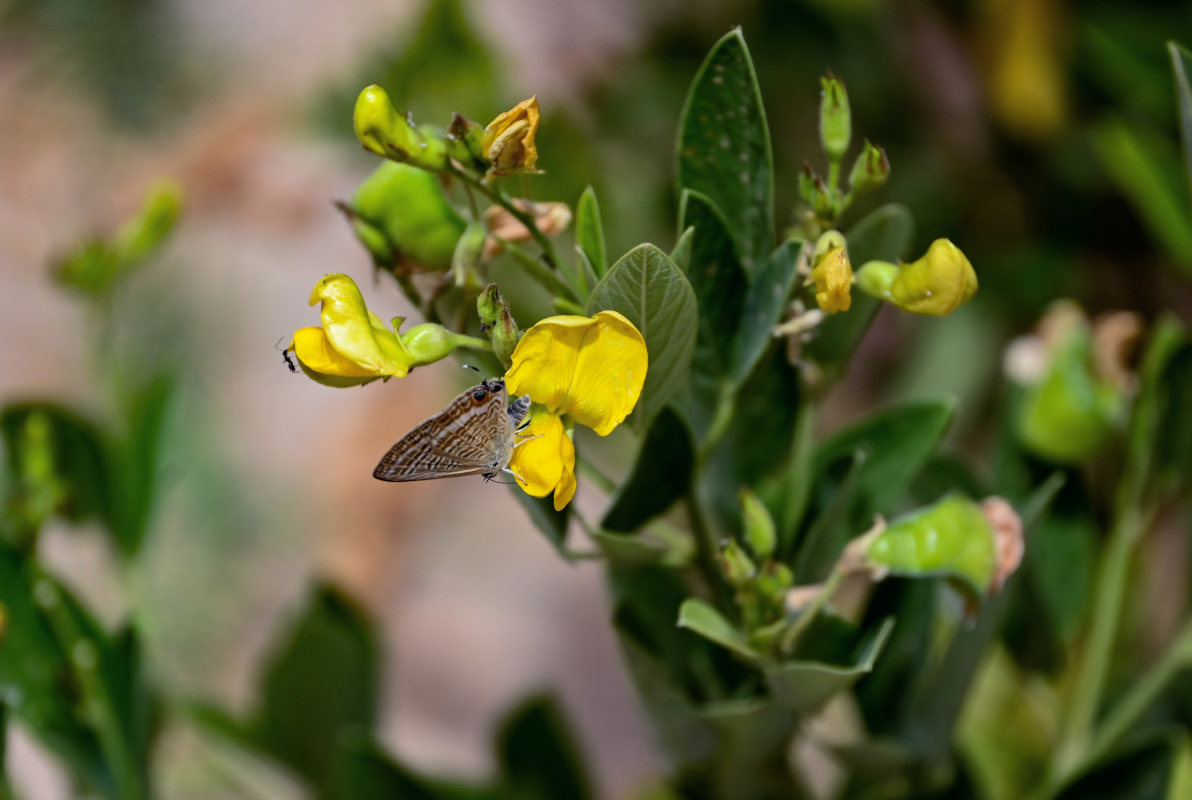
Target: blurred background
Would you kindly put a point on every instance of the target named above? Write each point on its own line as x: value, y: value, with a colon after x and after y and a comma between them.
x: 1039, y: 135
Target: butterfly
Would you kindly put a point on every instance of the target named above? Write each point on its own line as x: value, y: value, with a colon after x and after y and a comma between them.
x: 474, y: 435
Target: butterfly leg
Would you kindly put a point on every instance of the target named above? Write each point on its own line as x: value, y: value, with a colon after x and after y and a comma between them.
x: 522, y: 438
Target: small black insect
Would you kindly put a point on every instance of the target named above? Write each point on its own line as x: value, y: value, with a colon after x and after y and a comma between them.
x: 285, y: 354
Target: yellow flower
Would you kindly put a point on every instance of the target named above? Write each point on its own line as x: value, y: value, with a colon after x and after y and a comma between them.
x: 937, y: 284
x: 509, y: 139
x: 589, y: 368
x: 833, y: 277
x: 543, y: 460
x: 354, y: 346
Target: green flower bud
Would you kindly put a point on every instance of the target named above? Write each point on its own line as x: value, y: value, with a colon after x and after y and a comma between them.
x: 493, y: 310
x: 428, y: 342
x: 464, y: 143
x: 759, y: 526
x: 739, y: 569
x: 402, y: 216
x: 95, y: 266
x: 836, y: 127
x: 870, y: 170
x: 382, y: 130
x: 774, y: 582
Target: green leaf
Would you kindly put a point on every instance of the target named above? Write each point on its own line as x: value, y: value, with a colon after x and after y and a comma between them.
x: 754, y: 735
x: 139, y: 463
x: 589, y: 232
x: 897, y: 443
x: 631, y: 550
x: 322, y: 680
x: 646, y: 603
x: 718, y: 281
x: 1144, y: 771
x: 765, y: 301
x: 681, y: 255
x: 538, y: 756
x: 805, y: 685
x: 652, y: 293
x: 364, y: 771
x: 79, y: 691
x: 660, y: 476
x: 1181, y: 65
x: 701, y: 618
x: 724, y: 147
x: 1143, y: 167
x: 541, y: 511
x: 884, y: 234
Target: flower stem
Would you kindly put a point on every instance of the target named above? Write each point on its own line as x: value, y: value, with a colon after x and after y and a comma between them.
x: 705, y: 556
x: 1093, y: 666
x: 498, y: 196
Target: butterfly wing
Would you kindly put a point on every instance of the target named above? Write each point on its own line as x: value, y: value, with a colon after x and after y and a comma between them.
x: 469, y: 437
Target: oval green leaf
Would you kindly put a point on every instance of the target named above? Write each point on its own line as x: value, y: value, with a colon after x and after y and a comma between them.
x: 724, y: 147
x: 647, y: 287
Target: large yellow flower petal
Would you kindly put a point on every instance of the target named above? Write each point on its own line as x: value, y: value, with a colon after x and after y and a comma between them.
x: 543, y: 459
x: 323, y: 364
x: 591, y: 369
x: 351, y: 330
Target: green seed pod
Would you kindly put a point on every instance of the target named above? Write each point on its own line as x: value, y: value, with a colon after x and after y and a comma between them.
x: 401, y: 214
x: 951, y: 538
x: 1069, y: 414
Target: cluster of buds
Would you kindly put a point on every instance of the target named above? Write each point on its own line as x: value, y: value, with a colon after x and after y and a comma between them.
x: 760, y: 581
x: 825, y: 197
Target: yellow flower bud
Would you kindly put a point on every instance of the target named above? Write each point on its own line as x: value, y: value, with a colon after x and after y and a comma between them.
x: 509, y: 139
x: 382, y: 130
x: 833, y: 277
x: 937, y: 284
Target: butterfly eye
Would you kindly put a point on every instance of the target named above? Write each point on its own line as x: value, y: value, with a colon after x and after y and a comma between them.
x: 478, y: 395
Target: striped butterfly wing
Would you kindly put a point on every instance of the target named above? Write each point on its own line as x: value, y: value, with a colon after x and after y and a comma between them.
x: 472, y: 436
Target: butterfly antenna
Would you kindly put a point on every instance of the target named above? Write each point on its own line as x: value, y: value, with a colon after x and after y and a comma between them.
x: 474, y: 369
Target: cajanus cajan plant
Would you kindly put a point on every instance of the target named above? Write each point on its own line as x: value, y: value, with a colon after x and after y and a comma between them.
x: 804, y: 614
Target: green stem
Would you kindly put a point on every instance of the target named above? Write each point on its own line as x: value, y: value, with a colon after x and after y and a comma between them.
x: 593, y: 473
x: 812, y: 610
x: 705, y: 557
x: 1141, y: 695
x: 498, y: 196
x: 1093, y: 666
x: 726, y: 406
x: 833, y: 174
x: 535, y: 270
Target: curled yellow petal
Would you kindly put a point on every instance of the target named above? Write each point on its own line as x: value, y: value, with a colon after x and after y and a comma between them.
x: 353, y: 332
x: 833, y: 277
x: 937, y: 284
x: 543, y: 458
x: 508, y: 140
x: 590, y: 368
